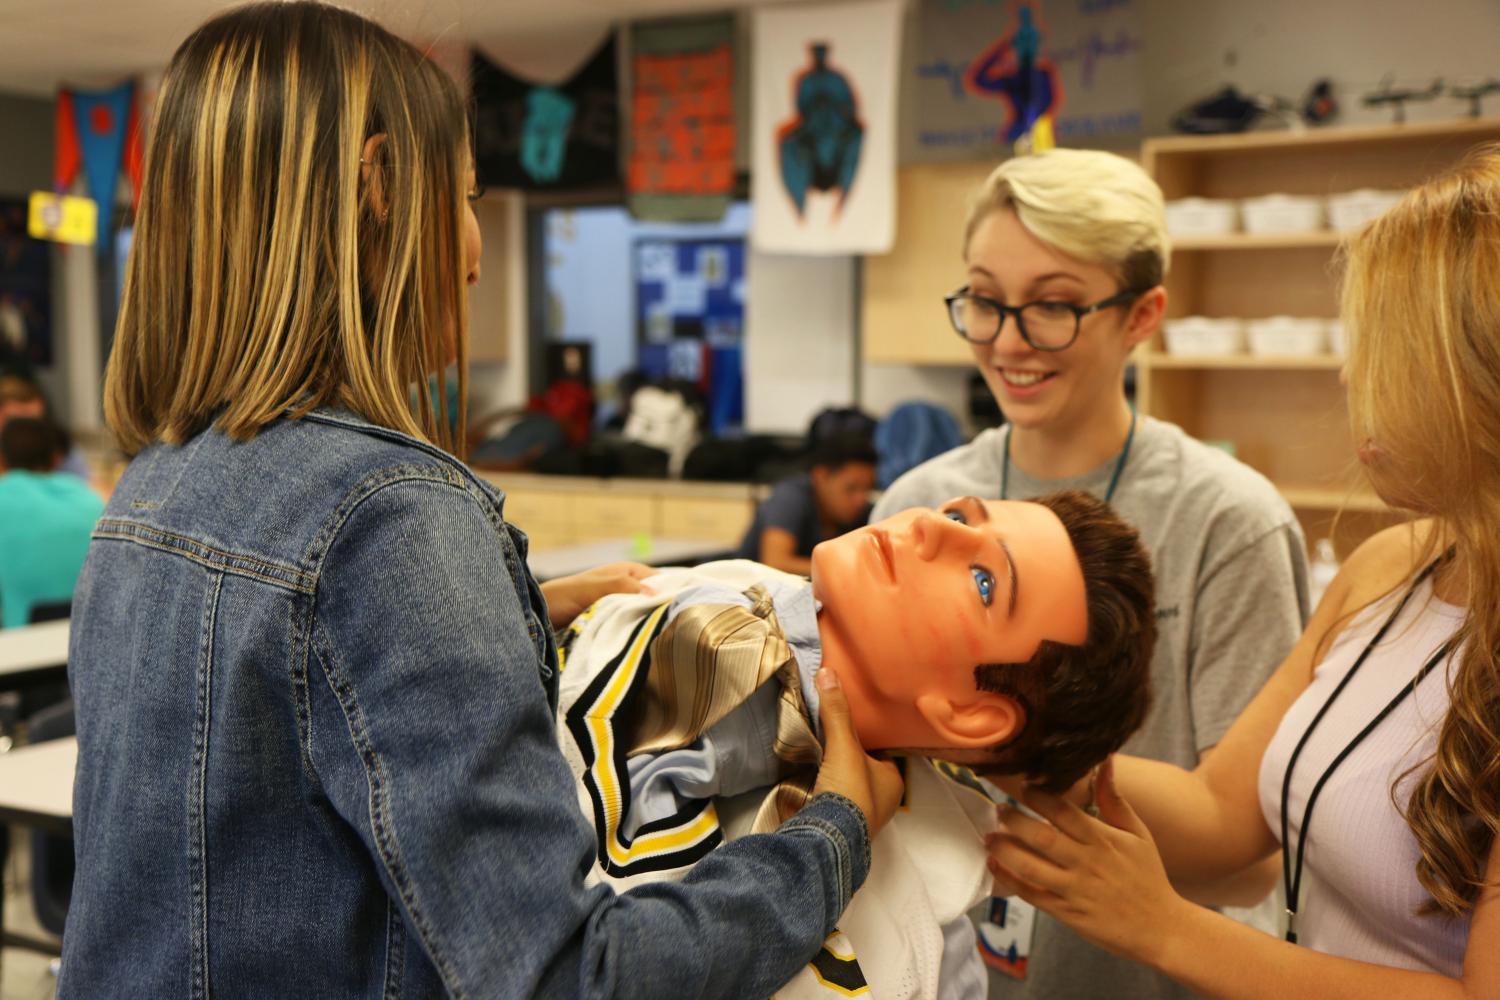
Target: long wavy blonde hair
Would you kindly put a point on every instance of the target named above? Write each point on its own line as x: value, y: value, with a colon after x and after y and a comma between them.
x: 273, y: 270
x: 1421, y: 299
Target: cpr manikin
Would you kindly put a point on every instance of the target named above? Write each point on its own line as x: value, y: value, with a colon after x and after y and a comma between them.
x: 912, y: 604
x: 688, y: 715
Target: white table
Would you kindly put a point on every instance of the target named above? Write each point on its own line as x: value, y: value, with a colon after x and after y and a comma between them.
x: 33, y: 647
x: 552, y: 563
x: 36, y: 785
x: 36, y: 790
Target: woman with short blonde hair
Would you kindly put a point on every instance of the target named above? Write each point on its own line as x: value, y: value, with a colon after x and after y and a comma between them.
x: 1065, y: 253
x: 314, y: 678
x: 1372, y: 758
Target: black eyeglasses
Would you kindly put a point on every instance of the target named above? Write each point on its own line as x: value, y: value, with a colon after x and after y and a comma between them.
x: 1046, y: 326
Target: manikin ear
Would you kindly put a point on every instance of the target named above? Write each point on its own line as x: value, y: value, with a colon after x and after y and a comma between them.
x: 979, y: 723
x: 1145, y: 316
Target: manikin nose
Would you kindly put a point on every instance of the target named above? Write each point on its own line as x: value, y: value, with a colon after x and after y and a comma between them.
x: 934, y: 532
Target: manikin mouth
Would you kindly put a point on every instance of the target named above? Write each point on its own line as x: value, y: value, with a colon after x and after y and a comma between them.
x: 883, y: 550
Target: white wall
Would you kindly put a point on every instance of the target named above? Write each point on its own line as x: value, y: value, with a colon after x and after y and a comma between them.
x: 799, y: 339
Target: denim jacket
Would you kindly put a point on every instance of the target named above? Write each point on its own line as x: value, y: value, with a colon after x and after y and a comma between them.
x: 317, y: 758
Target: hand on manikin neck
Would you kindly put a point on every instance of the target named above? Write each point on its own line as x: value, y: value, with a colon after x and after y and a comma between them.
x: 912, y: 604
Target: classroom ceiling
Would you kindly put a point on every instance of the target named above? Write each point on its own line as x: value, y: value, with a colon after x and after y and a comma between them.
x: 47, y: 43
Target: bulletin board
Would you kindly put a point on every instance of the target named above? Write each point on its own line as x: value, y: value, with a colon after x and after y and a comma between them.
x: 690, y: 318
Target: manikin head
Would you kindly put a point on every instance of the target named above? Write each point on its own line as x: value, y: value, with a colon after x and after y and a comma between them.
x: 1012, y: 634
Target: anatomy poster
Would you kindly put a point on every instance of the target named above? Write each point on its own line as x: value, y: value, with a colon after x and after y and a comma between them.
x: 824, y: 127
x: 538, y: 135
x: 980, y: 75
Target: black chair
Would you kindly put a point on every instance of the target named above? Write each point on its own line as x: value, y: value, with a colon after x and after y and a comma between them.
x: 50, y: 611
x: 51, y: 855
x: 37, y: 697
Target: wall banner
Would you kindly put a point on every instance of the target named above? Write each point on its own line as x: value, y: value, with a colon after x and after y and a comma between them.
x: 981, y: 74
x: 681, y: 165
x: 824, y: 127
x: 547, y: 136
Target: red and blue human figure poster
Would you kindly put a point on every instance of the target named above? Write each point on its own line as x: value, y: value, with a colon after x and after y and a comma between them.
x: 1014, y: 71
x: 994, y: 77
x: 682, y: 129
x: 823, y: 124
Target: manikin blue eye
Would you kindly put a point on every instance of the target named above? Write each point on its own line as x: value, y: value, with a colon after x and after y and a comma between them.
x: 955, y: 515
x: 985, y: 581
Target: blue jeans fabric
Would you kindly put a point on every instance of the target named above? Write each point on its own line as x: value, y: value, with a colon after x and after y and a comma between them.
x: 315, y: 687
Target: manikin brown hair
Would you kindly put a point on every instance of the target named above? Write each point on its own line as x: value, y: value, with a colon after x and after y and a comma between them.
x: 1083, y: 702
x: 272, y: 270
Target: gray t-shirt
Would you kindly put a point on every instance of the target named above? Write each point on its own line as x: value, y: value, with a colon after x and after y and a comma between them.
x: 1231, y: 599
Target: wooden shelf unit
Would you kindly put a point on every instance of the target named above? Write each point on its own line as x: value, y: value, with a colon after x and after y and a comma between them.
x: 1257, y: 241
x: 1162, y: 360
x: 1285, y: 417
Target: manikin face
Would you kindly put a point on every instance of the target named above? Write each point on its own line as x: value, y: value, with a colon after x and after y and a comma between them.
x: 913, y: 603
x: 1056, y: 390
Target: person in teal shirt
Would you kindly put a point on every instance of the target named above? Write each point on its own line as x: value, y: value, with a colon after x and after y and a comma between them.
x: 46, y: 518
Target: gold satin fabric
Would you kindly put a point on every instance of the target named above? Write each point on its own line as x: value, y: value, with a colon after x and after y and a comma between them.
x: 705, y: 664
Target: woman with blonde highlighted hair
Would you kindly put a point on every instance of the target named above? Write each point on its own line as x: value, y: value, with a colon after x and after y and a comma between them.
x: 1065, y: 253
x: 1372, y: 758
x: 314, y: 679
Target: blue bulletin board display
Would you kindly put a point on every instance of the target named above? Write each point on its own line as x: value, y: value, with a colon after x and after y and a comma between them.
x: 690, y: 318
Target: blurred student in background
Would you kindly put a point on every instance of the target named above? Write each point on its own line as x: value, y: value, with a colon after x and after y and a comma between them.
x: 46, y: 518
x: 811, y: 507
x: 21, y: 396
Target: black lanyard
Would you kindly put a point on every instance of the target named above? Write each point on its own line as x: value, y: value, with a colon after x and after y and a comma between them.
x: 1293, y: 880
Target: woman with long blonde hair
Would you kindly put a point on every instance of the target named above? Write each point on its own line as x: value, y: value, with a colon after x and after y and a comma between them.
x: 1372, y: 757
x: 314, y: 678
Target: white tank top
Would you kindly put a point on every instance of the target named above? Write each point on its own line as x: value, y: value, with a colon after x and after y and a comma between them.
x: 1360, y: 894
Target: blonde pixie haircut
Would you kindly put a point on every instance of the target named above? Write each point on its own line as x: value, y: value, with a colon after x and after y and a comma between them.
x: 1421, y: 301
x: 1090, y: 205
x: 273, y: 271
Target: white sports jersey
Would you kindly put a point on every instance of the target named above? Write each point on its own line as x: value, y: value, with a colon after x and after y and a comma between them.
x: 928, y: 864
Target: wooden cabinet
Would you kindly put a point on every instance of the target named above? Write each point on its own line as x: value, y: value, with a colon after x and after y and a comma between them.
x: 901, y: 307
x: 558, y: 511
x: 707, y: 519
x: 1285, y: 417
x: 614, y: 514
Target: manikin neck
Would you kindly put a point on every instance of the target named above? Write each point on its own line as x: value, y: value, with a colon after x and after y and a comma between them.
x: 1063, y: 450
x: 880, y: 723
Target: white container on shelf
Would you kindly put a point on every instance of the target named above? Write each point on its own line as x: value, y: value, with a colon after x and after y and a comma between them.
x: 1336, y: 343
x: 1288, y: 336
x: 1202, y: 217
x: 1205, y: 335
x: 1282, y: 213
x: 1355, y: 208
